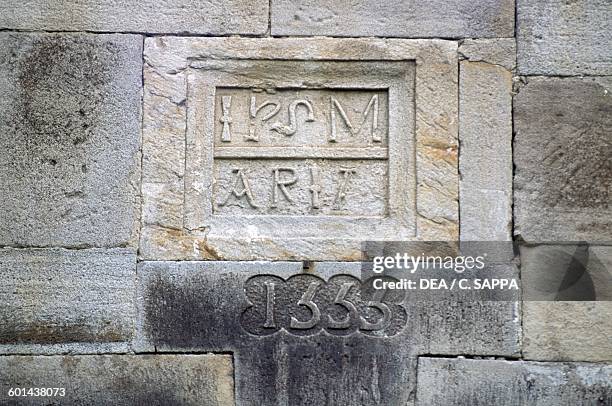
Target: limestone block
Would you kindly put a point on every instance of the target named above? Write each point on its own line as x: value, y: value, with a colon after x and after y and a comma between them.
x: 567, y: 331
x: 69, y: 137
x: 485, y: 161
x: 576, y: 327
x: 121, y: 379
x: 495, y: 382
x: 59, y: 300
x: 407, y: 18
x: 310, y: 336
x: 498, y: 51
x: 558, y: 37
x: 161, y: 17
x: 568, y: 272
x: 562, y: 150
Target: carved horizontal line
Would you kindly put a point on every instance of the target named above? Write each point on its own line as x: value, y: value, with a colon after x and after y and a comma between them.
x: 301, y: 153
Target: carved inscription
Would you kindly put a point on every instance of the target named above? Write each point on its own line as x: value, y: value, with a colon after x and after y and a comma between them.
x: 300, y: 187
x: 301, y: 117
x: 301, y: 152
x: 306, y: 304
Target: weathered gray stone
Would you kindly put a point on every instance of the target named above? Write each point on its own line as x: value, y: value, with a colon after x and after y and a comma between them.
x: 494, y: 382
x: 166, y: 16
x: 69, y: 139
x: 58, y: 300
x: 343, y: 357
x: 250, y: 156
x: 408, y: 18
x: 572, y: 272
x: 499, y: 51
x: 120, y: 379
x: 485, y: 161
x: 562, y: 150
x: 567, y: 331
x: 295, y: 168
x: 559, y: 37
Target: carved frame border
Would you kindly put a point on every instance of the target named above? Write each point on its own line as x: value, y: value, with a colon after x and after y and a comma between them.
x: 173, y: 60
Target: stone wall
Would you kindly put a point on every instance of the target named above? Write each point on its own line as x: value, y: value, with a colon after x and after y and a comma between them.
x: 169, y: 170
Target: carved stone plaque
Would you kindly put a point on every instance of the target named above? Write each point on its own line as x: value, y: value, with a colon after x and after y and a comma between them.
x: 306, y: 152
x: 299, y: 156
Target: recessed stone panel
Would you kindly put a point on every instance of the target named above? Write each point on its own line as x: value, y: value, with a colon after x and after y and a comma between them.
x: 300, y: 157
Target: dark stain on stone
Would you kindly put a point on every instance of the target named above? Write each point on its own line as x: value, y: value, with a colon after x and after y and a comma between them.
x: 184, y: 316
x: 62, y: 332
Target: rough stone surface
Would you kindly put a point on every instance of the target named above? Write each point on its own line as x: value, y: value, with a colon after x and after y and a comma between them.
x: 212, y: 192
x: 485, y: 134
x: 121, y: 379
x: 58, y: 300
x: 559, y: 37
x: 331, y: 352
x: 493, y: 382
x: 165, y: 16
x: 570, y: 272
x: 579, y: 330
x: 567, y: 331
x: 562, y: 150
x: 407, y: 18
x: 498, y: 51
x: 69, y: 139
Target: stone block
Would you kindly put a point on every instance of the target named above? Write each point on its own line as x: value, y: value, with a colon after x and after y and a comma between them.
x: 567, y: 331
x: 485, y: 161
x: 407, y: 18
x: 567, y: 293
x: 69, y: 137
x: 120, y: 379
x: 304, y: 336
x: 498, y: 51
x: 558, y: 37
x: 248, y: 156
x: 568, y: 272
x: 212, y: 17
x: 59, y: 300
x: 562, y: 150
x: 456, y: 381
